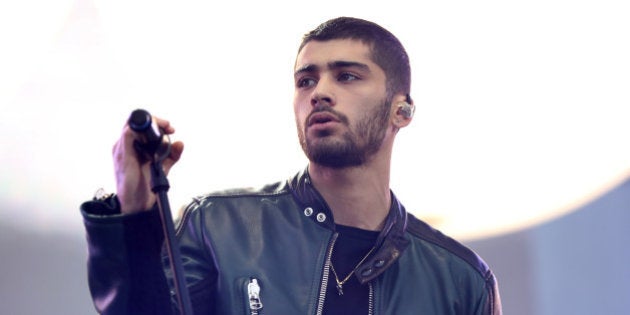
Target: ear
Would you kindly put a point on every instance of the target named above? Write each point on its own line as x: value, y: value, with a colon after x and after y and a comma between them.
x: 402, y: 111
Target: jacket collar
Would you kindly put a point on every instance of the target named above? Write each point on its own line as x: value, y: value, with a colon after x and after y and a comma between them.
x: 390, y: 243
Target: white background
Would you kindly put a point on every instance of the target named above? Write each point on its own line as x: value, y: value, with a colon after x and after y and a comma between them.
x: 522, y: 106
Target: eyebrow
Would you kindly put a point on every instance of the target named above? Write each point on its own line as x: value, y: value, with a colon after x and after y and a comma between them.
x: 309, y: 68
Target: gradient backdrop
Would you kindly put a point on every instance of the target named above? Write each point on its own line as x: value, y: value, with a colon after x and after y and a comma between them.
x: 519, y: 147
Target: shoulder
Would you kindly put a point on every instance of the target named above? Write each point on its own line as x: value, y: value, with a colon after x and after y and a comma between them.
x: 443, y: 245
x: 448, y: 259
x: 235, y: 200
x: 275, y: 189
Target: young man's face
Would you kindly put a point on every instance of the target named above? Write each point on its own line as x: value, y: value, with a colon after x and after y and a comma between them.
x: 340, y: 102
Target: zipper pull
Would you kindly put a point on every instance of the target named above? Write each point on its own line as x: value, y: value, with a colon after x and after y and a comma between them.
x: 253, y: 290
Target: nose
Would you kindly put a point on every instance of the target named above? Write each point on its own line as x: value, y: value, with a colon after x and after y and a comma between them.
x: 319, y: 100
x: 323, y: 94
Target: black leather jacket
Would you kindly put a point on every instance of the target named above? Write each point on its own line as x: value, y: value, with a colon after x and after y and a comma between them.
x: 278, y: 239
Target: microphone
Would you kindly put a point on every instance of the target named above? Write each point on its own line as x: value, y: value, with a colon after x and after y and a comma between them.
x: 152, y: 142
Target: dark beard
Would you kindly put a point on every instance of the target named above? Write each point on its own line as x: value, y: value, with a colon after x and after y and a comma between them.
x: 339, y: 154
x: 353, y: 149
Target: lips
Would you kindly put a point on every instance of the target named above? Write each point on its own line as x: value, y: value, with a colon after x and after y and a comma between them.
x: 321, y: 118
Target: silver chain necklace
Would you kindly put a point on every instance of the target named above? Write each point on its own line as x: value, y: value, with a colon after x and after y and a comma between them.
x: 342, y: 282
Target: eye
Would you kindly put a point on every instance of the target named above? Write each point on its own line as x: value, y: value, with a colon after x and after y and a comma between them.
x: 345, y: 76
x: 305, y: 82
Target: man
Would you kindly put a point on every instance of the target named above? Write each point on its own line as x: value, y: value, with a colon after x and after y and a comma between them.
x: 331, y: 240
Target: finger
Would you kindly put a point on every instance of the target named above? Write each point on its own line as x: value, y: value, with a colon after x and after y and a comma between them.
x: 164, y: 125
x: 125, y: 149
x: 176, y: 152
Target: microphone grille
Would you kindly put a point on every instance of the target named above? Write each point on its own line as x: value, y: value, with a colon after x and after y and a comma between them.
x: 140, y: 120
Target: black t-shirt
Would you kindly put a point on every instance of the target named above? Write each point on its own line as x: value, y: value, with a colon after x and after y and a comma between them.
x: 351, y: 246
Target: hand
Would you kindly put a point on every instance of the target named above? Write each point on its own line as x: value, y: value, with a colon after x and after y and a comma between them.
x: 133, y: 172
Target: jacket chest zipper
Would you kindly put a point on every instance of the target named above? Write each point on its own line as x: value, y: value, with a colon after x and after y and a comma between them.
x: 371, y: 299
x: 325, y: 276
x: 253, y: 293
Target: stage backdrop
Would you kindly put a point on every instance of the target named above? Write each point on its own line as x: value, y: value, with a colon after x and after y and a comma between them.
x: 519, y: 139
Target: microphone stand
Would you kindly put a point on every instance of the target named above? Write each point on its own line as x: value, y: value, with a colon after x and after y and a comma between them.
x: 160, y: 186
x: 155, y: 146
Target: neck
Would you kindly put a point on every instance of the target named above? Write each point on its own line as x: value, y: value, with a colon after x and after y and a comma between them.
x: 358, y: 196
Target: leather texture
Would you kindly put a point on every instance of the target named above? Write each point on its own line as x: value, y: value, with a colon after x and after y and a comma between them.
x: 281, y: 235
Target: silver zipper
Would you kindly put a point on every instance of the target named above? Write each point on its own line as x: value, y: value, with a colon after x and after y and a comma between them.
x: 253, y: 291
x: 324, y: 285
x: 371, y: 299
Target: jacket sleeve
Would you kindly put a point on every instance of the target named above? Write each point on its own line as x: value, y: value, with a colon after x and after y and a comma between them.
x: 128, y: 271
x: 125, y: 272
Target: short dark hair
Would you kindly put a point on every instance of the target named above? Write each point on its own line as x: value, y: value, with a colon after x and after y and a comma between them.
x: 386, y: 50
